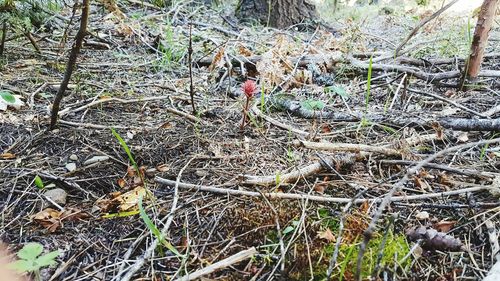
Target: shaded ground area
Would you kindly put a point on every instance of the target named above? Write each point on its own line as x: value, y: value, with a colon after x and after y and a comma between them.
x: 139, y: 84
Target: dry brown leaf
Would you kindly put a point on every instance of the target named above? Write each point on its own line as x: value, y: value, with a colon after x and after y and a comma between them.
x: 444, y: 226
x: 121, y: 183
x: 52, y: 219
x: 163, y: 168
x: 7, y: 156
x: 319, y: 188
x: 242, y: 50
x: 217, y: 62
x: 421, y: 183
x: 121, y: 202
x: 327, y: 235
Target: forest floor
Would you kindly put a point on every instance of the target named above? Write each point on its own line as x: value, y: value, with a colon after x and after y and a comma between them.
x: 294, y: 191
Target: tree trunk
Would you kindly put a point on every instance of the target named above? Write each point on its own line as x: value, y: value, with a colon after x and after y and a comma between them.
x: 276, y: 13
x: 480, y: 39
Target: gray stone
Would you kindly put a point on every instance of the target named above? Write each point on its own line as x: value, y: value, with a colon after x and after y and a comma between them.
x: 58, y: 195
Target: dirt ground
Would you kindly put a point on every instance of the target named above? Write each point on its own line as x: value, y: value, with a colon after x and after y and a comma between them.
x: 133, y: 76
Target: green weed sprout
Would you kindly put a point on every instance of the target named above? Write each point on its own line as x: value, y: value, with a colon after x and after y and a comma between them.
x: 30, y: 259
x: 156, y: 232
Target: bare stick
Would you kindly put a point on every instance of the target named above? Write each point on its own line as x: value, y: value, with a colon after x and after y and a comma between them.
x: 317, y: 198
x: 421, y: 24
x: 190, y: 62
x: 368, y: 233
x: 2, y: 40
x: 243, y: 255
x: 70, y: 66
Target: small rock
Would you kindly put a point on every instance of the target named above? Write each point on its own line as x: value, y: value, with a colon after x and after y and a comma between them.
x: 70, y: 167
x: 422, y: 215
x: 201, y: 173
x: 58, y: 195
x: 95, y: 159
x: 73, y: 157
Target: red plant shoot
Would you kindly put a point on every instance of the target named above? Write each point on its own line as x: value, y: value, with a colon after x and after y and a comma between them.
x: 249, y: 88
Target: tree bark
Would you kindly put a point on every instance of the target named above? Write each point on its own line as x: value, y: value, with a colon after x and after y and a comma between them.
x: 276, y: 13
x: 480, y: 39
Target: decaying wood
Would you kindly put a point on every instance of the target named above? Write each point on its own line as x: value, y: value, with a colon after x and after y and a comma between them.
x: 351, y: 147
x: 484, y: 22
x: 294, y: 175
x: 238, y: 257
x: 466, y: 124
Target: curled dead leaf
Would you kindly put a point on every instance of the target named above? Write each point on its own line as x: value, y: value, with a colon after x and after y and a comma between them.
x: 327, y: 235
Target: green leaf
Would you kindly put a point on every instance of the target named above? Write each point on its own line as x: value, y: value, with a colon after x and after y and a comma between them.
x: 171, y: 248
x: 313, y: 104
x: 30, y: 251
x: 156, y: 232
x: 47, y: 259
x: 39, y: 182
x: 120, y: 214
x: 127, y: 150
x: 288, y: 229
x: 149, y: 223
x: 23, y: 266
x: 337, y: 90
x: 7, y: 97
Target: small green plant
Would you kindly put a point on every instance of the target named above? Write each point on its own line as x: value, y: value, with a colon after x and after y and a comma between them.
x: 485, y: 148
x: 170, y: 47
x: 39, y: 183
x: 395, y: 250
x: 7, y: 97
x: 31, y: 260
x: 262, y: 98
x: 156, y: 232
x: 337, y: 90
x: 291, y: 227
x: 368, y: 84
x: 127, y: 150
x: 313, y: 105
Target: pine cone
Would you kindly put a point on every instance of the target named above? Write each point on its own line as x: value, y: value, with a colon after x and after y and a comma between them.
x: 433, y: 239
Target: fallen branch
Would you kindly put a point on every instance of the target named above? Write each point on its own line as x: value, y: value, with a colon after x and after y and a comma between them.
x: 243, y: 255
x: 351, y: 147
x: 318, y: 198
x: 465, y: 172
x: 466, y: 124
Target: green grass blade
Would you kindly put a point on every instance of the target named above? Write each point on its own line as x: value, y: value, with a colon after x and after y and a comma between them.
x: 127, y: 150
